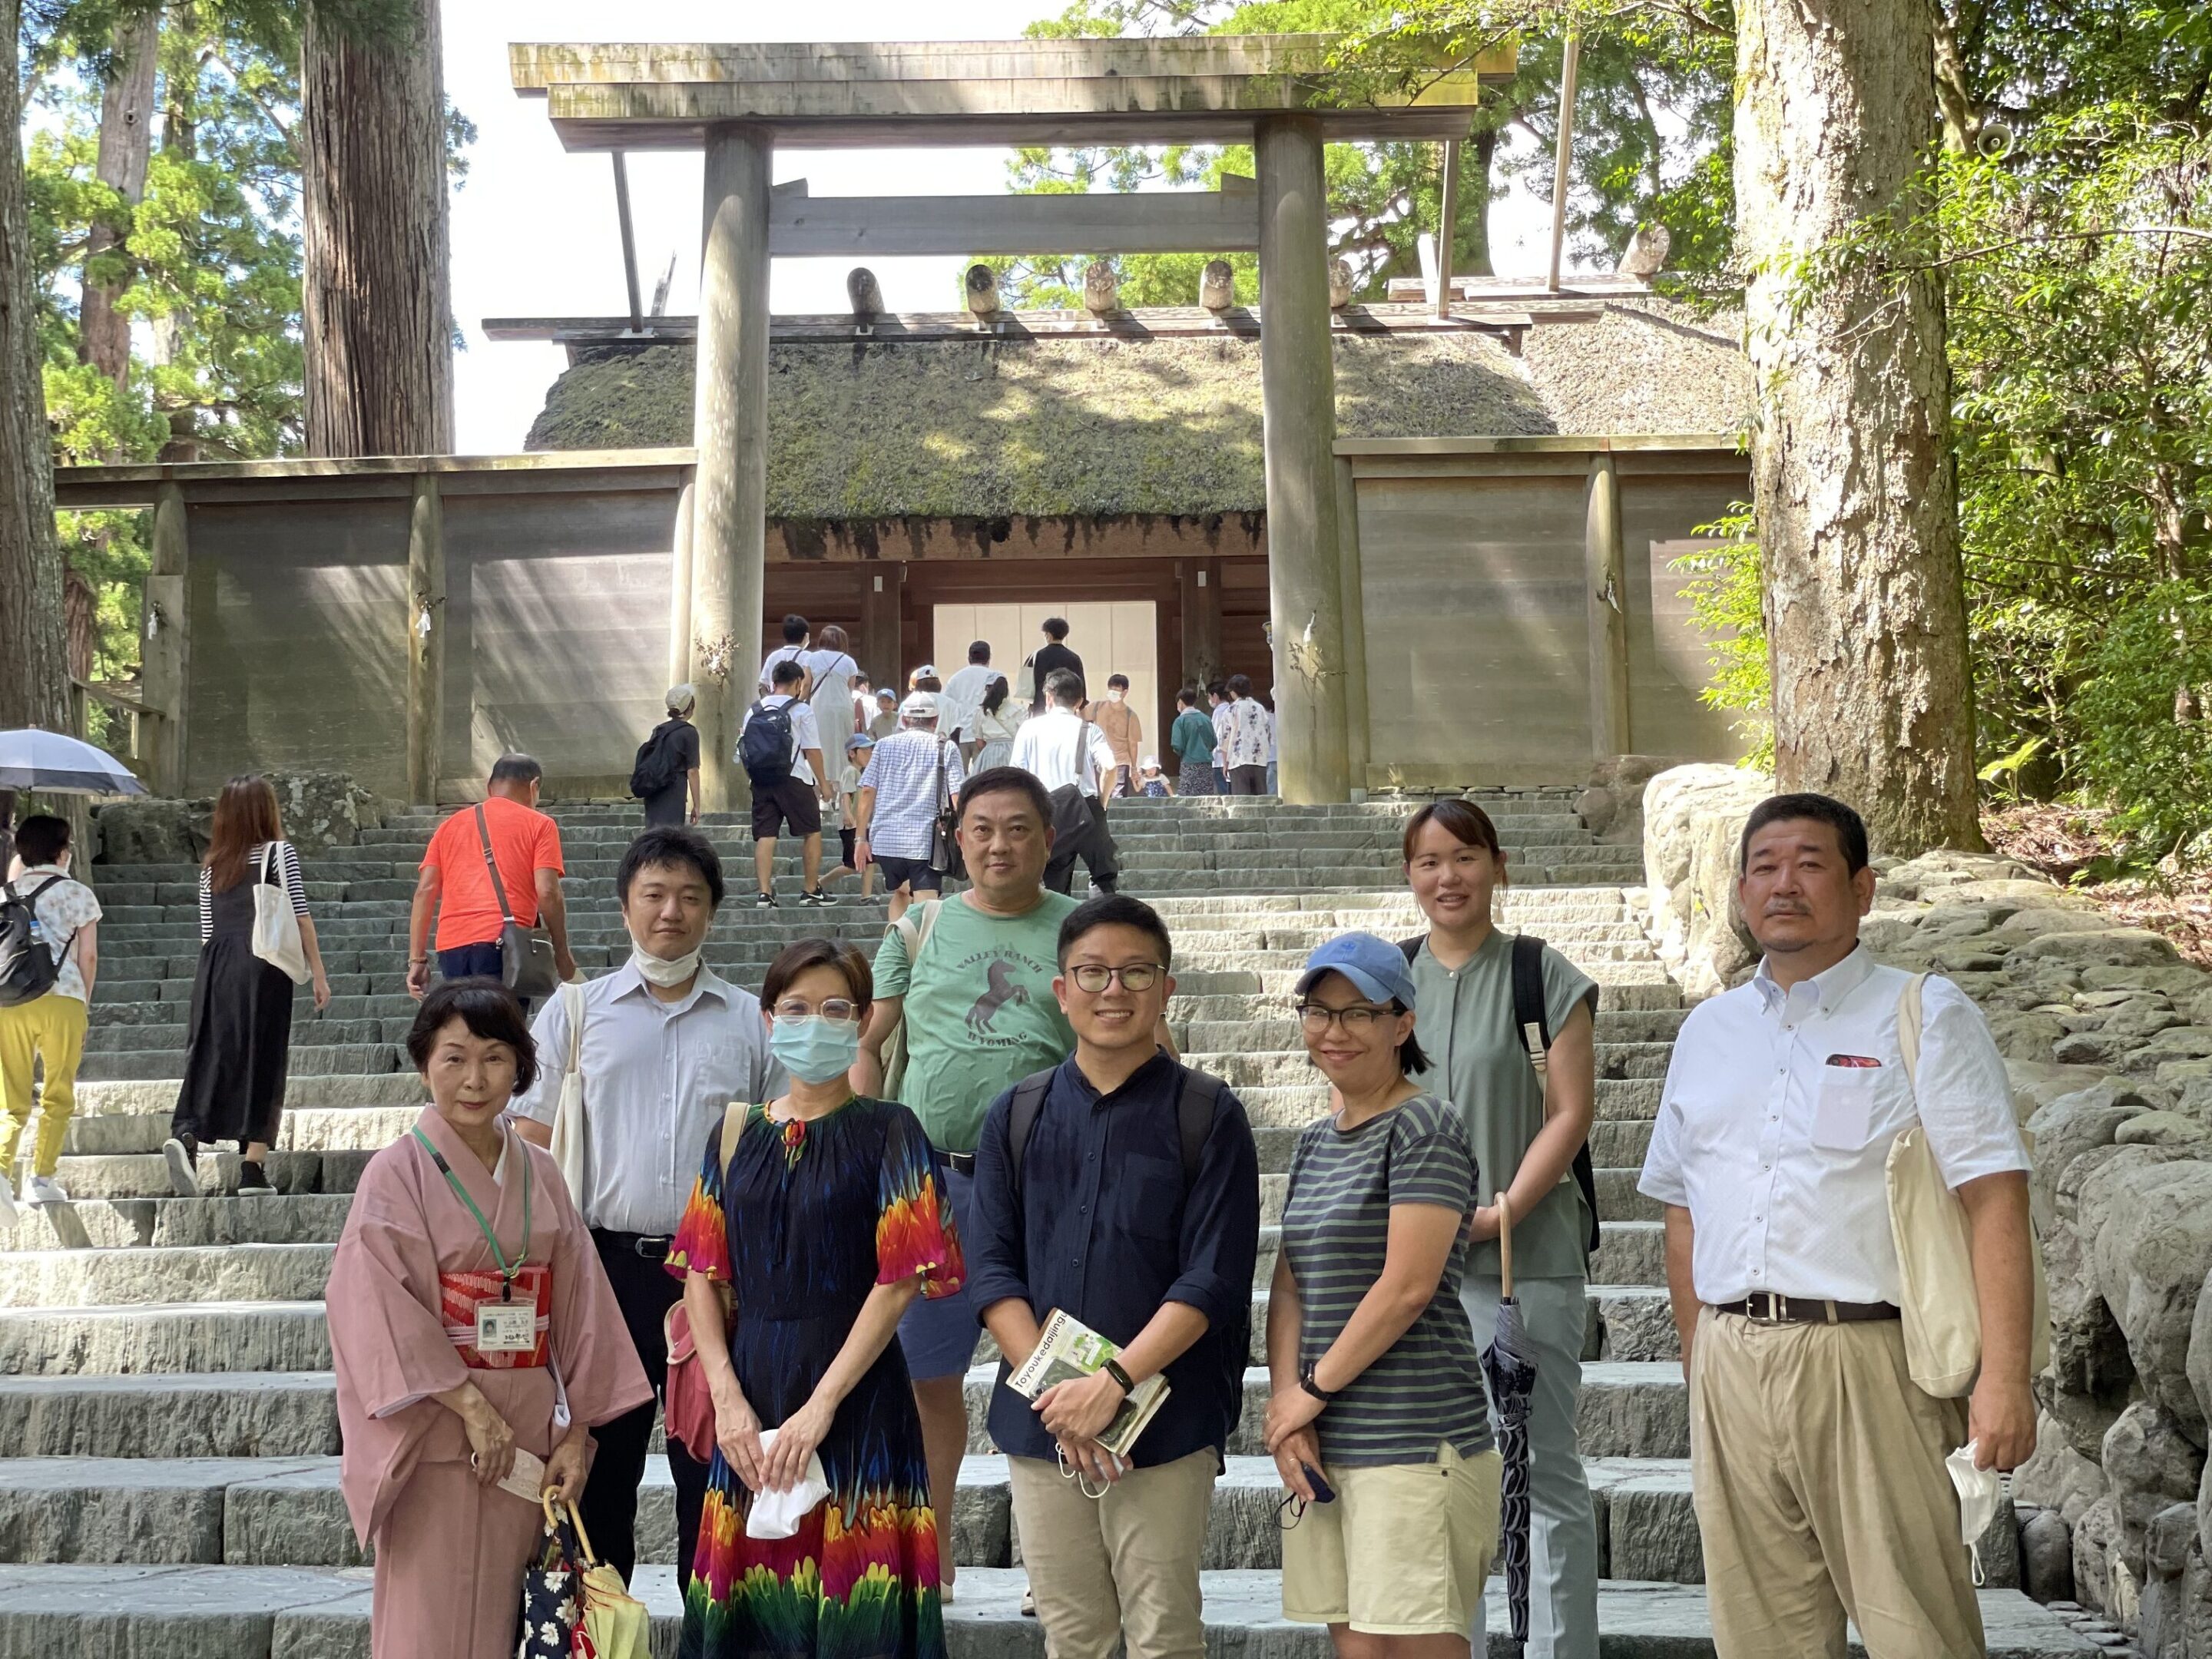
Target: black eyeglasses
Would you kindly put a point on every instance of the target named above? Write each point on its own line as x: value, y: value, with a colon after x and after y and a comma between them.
x: 1359, y: 1018
x: 1137, y: 977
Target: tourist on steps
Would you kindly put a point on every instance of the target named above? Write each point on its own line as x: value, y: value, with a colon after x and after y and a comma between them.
x: 912, y: 775
x: 1370, y: 1359
x: 796, y: 638
x: 667, y: 768
x: 1049, y: 658
x: 455, y: 882
x: 963, y: 702
x: 997, y: 725
x: 461, y: 1214
x: 826, y: 1222
x: 1122, y: 1188
x: 1247, y: 738
x: 1816, y: 1461
x: 1192, y: 738
x: 830, y: 672
x: 240, y: 1042
x: 1526, y: 1131
x: 780, y: 749
x: 666, y: 1043
x: 1125, y: 735
x: 1218, y: 711
x: 968, y: 981
x: 47, y: 1029
x: 1064, y: 749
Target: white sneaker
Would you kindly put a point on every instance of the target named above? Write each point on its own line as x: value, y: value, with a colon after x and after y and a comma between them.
x: 6, y: 1203
x: 45, y: 1189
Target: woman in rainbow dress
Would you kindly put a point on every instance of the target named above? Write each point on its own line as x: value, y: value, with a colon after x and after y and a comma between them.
x: 800, y: 1254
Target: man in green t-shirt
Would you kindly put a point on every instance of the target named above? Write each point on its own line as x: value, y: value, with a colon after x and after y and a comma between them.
x: 976, y: 973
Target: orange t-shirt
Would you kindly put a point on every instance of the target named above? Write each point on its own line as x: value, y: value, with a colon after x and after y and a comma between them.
x: 524, y: 841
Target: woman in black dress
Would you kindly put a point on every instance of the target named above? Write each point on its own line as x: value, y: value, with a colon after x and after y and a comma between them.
x: 240, y: 1037
x: 681, y: 739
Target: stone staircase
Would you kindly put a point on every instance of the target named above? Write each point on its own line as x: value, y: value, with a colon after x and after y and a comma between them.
x: 168, y: 1433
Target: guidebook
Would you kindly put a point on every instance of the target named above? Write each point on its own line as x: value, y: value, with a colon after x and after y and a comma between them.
x: 1069, y: 1350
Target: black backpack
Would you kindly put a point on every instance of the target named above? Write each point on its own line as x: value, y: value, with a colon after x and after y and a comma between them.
x: 656, y: 761
x: 764, y: 746
x: 1533, y: 1027
x: 28, y: 963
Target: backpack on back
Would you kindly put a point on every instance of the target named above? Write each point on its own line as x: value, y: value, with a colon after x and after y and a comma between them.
x: 29, y: 963
x: 656, y: 761
x: 764, y: 746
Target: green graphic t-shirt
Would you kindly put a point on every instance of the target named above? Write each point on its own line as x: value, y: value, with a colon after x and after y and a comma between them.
x: 979, y: 1012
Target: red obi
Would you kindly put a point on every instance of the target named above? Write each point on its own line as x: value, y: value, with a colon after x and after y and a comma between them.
x: 458, y: 1295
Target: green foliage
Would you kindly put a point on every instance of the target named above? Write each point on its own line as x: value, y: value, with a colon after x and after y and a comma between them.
x: 1725, y: 595
x: 2144, y: 741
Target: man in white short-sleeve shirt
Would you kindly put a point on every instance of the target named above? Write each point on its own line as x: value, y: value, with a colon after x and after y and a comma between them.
x: 794, y: 802
x: 1817, y: 1464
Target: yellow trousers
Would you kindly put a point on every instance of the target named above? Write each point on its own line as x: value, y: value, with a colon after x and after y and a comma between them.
x: 50, y: 1029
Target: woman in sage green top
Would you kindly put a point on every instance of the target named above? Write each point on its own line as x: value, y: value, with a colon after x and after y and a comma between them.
x: 1525, y: 1134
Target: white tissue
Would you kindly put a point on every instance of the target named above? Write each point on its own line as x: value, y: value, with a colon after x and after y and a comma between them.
x: 777, y: 1514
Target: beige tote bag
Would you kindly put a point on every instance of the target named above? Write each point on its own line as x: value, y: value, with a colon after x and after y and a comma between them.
x: 1941, y: 1316
x: 568, y: 1128
x: 276, y: 939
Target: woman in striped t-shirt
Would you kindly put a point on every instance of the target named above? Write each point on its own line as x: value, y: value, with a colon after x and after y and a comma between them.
x: 1376, y: 1388
x: 240, y: 1042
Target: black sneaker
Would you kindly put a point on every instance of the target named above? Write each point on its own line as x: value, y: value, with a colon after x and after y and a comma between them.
x: 253, y: 1179
x: 182, y: 1154
x: 817, y: 897
x: 764, y: 902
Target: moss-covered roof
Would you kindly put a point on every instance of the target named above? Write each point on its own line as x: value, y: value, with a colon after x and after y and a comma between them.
x: 996, y: 428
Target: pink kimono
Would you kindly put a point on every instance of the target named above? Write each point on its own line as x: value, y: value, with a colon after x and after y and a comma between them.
x: 450, y: 1554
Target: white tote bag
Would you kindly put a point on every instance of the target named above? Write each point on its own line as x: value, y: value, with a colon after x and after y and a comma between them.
x: 567, y: 1146
x: 1940, y: 1313
x: 276, y: 928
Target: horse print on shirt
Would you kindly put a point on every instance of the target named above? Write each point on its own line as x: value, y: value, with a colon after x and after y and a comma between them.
x: 1001, y: 989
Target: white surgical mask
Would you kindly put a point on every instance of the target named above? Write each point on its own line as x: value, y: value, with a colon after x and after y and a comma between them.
x: 1979, y: 1494
x: 661, y: 972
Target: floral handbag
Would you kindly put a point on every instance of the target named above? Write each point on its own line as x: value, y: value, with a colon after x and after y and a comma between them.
x: 574, y: 1606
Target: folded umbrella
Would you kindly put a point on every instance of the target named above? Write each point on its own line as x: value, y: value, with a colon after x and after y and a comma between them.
x: 59, y: 765
x: 1508, y: 1370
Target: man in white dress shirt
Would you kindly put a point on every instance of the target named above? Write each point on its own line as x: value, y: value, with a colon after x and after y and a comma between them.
x: 962, y: 704
x: 1817, y: 1464
x: 1062, y: 748
x: 667, y: 1045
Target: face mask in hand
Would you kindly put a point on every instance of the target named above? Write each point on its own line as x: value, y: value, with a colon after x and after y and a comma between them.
x: 1979, y: 1492
x: 815, y: 1049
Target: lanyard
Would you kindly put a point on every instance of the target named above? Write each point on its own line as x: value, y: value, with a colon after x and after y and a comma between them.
x: 507, y: 1273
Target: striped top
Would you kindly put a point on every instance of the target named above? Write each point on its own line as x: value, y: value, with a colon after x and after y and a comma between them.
x: 287, y: 867
x: 1427, y: 1389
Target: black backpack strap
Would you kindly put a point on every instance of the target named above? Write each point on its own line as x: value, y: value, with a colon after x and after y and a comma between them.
x: 1194, y: 1108
x: 1021, y: 1121
x: 1532, y: 1023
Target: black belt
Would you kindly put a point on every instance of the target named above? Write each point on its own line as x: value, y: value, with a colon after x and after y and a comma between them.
x: 1766, y: 1308
x: 961, y: 1162
x: 654, y: 1247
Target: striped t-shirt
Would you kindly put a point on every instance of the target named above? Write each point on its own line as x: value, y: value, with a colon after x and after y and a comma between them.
x: 1427, y: 1389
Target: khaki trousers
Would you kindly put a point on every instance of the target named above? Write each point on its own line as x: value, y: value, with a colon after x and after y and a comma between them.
x: 1120, y: 1567
x: 1817, y: 1472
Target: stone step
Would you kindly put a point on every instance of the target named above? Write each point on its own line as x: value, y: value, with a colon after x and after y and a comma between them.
x: 322, y: 1612
x: 53, y: 1340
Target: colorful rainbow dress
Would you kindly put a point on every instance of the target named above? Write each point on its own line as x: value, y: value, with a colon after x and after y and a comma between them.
x: 805, y: 1223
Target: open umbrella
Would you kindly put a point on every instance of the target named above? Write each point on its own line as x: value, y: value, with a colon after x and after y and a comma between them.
x: 1508, y: 1367
x: 59, y: 765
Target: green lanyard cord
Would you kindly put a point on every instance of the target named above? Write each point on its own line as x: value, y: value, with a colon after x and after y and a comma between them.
x: 507, y: 1273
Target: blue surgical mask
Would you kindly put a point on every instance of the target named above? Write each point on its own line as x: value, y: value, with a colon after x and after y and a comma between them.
x: 814, y: 1050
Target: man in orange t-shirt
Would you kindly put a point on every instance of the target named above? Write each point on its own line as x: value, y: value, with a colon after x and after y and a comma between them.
x: 455, y: 883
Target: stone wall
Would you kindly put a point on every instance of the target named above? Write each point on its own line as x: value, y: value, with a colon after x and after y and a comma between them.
x: 319, y: 811
x: 2107, y: 1037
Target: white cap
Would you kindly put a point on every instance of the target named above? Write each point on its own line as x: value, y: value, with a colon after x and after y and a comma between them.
x: 1152, y: 762
x: 918, y: 705
x: 680, y: 697
x: 926, y: 671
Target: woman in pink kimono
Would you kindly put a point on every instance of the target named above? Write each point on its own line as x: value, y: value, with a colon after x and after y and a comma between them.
x: 469, y: 1321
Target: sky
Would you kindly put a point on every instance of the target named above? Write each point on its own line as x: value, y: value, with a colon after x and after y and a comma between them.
x: 534, y: 233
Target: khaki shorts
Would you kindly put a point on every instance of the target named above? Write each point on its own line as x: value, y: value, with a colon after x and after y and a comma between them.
x: 1403, y: 1551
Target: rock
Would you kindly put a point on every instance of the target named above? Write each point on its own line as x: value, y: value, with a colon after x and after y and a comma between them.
x: 1693, y: 818
x: 2046, y: 1557
x: 2168, y: 1541
x: 2065, y: 1128
x: 2057, y: 1478
x: 155, y: 831
x: 2089, y: 1049
x: 2161, y: 1130
x: 2180, y: 1045
x: 1638, y: 1327
x: 2143, y: 1017
x: 2040, y: 1086
x: 2200, y: 1008
x: 2080, y: 947
x: 323, y: 810
x: 2149, y: 1213
x: 1946, y: 871
x: 2096, y: 1535
x: 2037, y: 922
x: 2151, y: 1465
x: 2159, y: 1630
x: 1998, y: 1547
x: 2198, y: 1366
x: 2035, y: 1037
x: 1597, y: 808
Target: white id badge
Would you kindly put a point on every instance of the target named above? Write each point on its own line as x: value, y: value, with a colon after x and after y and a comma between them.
x: 507, y: 1326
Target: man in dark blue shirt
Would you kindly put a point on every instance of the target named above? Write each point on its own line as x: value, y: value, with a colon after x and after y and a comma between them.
x: 1113, y: 1212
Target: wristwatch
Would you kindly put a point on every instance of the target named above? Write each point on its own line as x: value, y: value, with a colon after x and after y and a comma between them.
x: 1307, y: 1382
x: 1112, y: 1369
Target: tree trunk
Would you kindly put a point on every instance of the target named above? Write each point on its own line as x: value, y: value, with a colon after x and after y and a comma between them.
x: 374, y: 298
x: 126, y: 132
x: 1855, y: 484
x: 1471, y: 248
x: 34, y: 663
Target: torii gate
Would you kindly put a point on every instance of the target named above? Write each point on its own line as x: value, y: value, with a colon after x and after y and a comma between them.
x: 738, y: 101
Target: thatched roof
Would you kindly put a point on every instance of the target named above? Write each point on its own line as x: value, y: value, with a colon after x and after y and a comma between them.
x: 996, y: 428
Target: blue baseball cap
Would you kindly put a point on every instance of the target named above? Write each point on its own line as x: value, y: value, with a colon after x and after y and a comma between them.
x: 1377, y: 968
